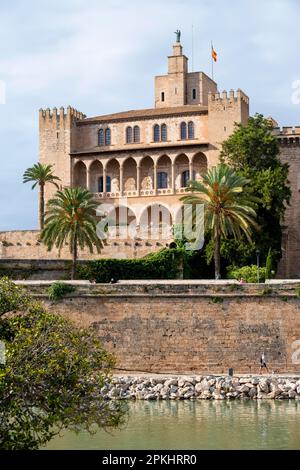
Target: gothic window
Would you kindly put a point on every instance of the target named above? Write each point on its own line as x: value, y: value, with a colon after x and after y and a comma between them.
x: 101, y: 137
x: 162, y: 179
x: 136, y: 134
x: 183, y: 130
x: 108, y: 184
x: 191, y: 130
x: 156, y: 133
x: 107, y: 136
x: 194, y: 93
x: 128, y: 135
x: 163, y: 132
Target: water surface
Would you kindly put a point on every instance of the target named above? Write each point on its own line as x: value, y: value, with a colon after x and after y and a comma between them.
x: 261, y: 424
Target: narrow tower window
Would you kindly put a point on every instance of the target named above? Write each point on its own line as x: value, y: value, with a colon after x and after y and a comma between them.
x: 194, y: 94
x: 163, y: 96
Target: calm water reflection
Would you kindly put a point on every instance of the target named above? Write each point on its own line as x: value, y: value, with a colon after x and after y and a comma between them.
x: 198, y: 425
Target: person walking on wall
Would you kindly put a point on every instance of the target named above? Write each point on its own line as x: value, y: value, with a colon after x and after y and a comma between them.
x: 263, y: 363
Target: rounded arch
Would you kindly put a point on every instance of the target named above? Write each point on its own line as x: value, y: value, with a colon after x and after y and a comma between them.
x: 96, y: 177
x: 164, y: 172
x: 181, y: 170
x: 122, y: 222
x: 129, y: 174
x: 80, y: 174
x: 199, y: 165
x: 147, y: 173
x: 113, y: 175
x: 156, y: 221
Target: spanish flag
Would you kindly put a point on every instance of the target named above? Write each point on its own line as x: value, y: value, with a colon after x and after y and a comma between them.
x: 213, y: 53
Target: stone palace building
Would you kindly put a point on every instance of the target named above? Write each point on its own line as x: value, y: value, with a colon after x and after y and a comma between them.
x: 141, y: 160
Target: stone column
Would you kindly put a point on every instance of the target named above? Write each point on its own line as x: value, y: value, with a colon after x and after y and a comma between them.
x: 155, y: 178
x: 138, y: 178
x: 88, y: 178
x: 104, y: 180
x: 173, y: 178
x: 121, y: 180
x: 191, y: 170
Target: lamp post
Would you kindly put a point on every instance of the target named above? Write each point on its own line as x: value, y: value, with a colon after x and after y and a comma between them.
x: 257, y: 264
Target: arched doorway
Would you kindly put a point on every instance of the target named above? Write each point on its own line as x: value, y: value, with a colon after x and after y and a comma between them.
x: 113, y: 176
x: 155, y: 222
x: 199, y: 165
x: 147, y: 173
x: 96, y: 177
x: 129, y: 175
x: 80, y: 175
x: 182, y: 174
x: 164, y: 172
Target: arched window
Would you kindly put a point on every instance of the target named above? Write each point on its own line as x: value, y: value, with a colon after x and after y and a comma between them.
x: 136, y: 134
x: 183, y: 130
x: 101, y: 137
x: 128, y: 135
x: 107, y: 136
x: 156, y: 133
x: 162, y: 179
x: 163, y: 131
x: 191, y: 130
x: 101, y: 186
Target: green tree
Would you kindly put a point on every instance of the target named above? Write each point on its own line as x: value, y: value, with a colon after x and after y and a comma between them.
x: 269, y: 265
x: 70, y: 217
x: 40, y: 174
x: 227, y: 212
x: 253, y: 152
x: 52, y: 377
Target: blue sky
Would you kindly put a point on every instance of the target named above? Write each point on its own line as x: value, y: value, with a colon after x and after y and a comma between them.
x: 101, y: 57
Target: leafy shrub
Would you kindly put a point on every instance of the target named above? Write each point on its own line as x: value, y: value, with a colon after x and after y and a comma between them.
x: 58, y: 290
x: 247, y: 273
x: 164, y: 264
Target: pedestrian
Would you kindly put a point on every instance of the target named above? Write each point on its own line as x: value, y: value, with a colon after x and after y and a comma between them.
x: 263, y: 363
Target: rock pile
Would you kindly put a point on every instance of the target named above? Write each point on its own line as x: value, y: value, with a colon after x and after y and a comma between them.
x: 202, y: 387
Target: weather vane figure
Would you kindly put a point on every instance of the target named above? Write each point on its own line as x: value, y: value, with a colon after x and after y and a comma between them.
x: 178, y: 34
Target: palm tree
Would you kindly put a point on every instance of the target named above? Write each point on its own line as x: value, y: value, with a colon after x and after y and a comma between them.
x: 71, y: 217
x: 40, y: 174
x: 227, y: 209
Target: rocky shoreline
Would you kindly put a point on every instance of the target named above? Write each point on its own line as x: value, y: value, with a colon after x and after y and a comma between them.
x: 205, y: 387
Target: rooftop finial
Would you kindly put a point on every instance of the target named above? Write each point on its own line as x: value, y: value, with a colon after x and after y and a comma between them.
x: 178, y: 34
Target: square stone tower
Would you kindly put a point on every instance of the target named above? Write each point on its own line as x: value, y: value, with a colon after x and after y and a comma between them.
x: 179, y: 87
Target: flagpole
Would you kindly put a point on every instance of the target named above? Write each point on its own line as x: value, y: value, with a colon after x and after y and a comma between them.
x: 212, y: 61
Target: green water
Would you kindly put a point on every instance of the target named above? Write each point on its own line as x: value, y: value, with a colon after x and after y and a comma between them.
x: 198, y: 425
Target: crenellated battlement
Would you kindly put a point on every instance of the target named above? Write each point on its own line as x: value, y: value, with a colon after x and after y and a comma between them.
x: 287, y: 130
x: 226, y: 98
x: 56, y: 116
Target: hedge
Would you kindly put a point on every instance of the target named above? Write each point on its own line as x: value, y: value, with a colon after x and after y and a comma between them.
x: 164, y: 264
x: 247, y: 273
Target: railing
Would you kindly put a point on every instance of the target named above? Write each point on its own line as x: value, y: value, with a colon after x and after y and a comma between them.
x: 143, y: 192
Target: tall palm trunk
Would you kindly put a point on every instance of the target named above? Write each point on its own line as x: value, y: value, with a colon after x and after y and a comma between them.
x: 217, y: 256
x: 74, y: 257
x: 41, y: 206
